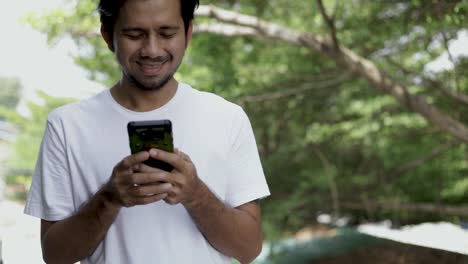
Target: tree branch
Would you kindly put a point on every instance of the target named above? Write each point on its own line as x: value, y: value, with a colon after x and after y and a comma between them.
x: 416, y: 103
x: 350, y: 61
x: 414, y: 164
x: 330, y: 21
x: 447, y: 48
x: 452, y: 60
x: 412, y: 207
x: 459, y: 97
x: 264, y: 29
x: 291, y: 92
x: 77, y: 34
x: 225, y: 30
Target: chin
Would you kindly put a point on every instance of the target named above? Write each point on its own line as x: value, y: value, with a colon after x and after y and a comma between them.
x: 150, y: 86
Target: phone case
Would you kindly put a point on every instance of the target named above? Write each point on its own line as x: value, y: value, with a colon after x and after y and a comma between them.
x: 145, y: 135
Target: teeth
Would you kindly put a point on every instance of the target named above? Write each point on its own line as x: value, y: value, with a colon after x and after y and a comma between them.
x: 151, y: 65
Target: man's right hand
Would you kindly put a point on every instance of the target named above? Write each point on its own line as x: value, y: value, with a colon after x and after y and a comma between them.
x: 76, y: 237
x: 134, y: 183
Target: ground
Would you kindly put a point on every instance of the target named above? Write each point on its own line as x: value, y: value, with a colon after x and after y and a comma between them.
x: 444, y: 243
x: 20, y: 234
x: 389, y: 252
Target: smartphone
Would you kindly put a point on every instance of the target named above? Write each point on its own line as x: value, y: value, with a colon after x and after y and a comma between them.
x: 145, y: 135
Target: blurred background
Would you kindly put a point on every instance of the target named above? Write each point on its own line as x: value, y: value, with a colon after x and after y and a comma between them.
x: 359, y: 109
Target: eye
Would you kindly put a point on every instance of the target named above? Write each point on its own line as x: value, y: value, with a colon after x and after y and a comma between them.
x: 166, y: 35
x: 134, y: 36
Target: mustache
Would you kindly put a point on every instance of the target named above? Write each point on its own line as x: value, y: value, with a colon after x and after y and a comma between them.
x: 159, y: 59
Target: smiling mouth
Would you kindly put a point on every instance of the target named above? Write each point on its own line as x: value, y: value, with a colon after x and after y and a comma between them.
x: 151, y: 68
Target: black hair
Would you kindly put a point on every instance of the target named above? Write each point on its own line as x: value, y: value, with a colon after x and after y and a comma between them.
x: 109, y: 12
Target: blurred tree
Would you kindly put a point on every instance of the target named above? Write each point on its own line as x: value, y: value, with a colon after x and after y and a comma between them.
x: 347, y: 113
x: 30, y: 130
x: 10, y: 93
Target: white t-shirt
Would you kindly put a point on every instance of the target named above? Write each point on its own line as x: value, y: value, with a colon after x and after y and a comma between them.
x: 85, y: 140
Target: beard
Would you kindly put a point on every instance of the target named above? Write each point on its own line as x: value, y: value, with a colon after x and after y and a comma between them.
x: 149, y: 87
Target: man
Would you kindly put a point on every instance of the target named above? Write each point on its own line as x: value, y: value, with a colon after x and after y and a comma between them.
x: 99, y: 204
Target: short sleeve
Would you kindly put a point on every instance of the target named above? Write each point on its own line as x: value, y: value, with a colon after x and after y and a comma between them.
x: 50, y: 196
x: 246, y: 178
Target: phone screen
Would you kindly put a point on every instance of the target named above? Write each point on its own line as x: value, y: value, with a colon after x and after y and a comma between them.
x: 145, y: 135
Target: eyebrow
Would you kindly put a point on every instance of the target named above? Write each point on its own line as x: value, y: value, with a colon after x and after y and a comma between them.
x: 125, y: 30
x: 169, y: 27
x: 140, y: 29
x: 131, y: 29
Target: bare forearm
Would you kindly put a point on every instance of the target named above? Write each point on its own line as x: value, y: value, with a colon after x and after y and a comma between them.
x: 233, y: 232
x: 76, y: 237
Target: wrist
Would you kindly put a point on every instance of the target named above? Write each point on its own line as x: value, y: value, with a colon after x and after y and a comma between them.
x: 198, y: 195
x: 100, y: 209
x: 108, y: 198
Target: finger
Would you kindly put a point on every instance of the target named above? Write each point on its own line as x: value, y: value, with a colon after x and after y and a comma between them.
x: 149, y: 178
x: 182, y: 154
x: 148, y: 169
x: 171, y: 200
x: 151, y: 199
x: 185, y: 156
x: 132, y: 160
x: 172, y: 158
x: 144, y: 200
x: 136, y: 167
x: 149, y: 190
x: 176, y: 151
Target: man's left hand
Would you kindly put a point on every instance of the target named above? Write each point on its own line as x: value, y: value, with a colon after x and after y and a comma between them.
x: 183, y: 177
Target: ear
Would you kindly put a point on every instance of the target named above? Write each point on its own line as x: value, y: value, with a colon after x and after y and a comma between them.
x: 107, y: 38
x: 188, y: 38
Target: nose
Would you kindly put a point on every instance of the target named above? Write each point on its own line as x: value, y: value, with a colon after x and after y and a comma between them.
x: 151, y: 47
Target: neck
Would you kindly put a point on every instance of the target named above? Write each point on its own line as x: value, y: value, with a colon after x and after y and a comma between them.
x: 135, y: 99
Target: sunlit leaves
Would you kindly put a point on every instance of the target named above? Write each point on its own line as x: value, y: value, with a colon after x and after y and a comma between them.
x: 30, y: 131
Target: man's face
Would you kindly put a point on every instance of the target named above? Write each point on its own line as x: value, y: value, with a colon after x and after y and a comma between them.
x: 149, y: 42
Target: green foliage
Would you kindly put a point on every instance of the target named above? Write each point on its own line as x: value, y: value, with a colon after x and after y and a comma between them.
x: 315, y: 124
x: 31, y: 129
x: 10, y: 90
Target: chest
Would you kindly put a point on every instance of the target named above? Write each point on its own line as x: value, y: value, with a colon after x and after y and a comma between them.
x: 96, y: 148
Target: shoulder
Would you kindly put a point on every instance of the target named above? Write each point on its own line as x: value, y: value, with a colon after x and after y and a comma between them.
x: 211, y: 102
x: 76, y: 110
x: 225, y: 117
